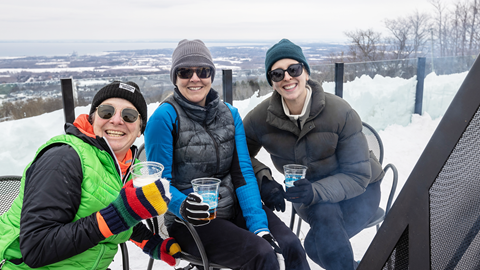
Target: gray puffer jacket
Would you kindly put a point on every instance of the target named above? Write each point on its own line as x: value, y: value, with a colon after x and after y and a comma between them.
x: 331, y: 144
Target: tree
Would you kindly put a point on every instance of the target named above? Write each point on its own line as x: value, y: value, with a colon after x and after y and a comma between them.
x: 421, y: 25
x: 400, y: 43
x: 460, y: 22
x: 473, y: 28
x: 440, y: 23
x: 366, y: 45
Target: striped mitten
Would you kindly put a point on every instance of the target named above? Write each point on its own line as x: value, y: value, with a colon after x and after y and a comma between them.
x: 131, y: 206
x: 166, y: 250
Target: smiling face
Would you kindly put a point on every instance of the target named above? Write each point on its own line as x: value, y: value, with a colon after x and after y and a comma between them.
x: 195, y: 89
x: 119, y: 134
x: 292, y: 89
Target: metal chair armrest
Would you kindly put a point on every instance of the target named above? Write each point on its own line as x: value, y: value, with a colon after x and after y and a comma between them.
x: 125, y: 260
x: 198, y: 242
x: 292, y: 221
x: 394, y: 185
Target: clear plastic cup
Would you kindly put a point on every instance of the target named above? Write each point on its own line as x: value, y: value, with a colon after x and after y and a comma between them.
x: 208, y: 189
x: 147, y: 172
x: 293, y: 172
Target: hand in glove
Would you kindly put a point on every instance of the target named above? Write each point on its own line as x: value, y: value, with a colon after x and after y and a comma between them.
x: 272, y: 194
x: 131, y: 206
x: 276, y: 248
x: 194, y: 210
x: 166, y: 250
x: 301, y: 192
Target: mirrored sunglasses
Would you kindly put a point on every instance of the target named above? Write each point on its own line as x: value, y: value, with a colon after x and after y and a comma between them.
x: 187, y: 73
x: 278, y: 74
x: 106, y: 112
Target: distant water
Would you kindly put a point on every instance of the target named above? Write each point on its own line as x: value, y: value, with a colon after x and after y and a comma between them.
x: 12, y: 49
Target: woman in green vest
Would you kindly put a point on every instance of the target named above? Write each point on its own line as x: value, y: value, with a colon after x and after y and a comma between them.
x: 76, y: 203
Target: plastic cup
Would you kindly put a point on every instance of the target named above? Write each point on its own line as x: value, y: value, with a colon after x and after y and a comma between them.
x: 208, y: 189
x: 147, y: 172
x: 144, y: 173
x: 293, y: 172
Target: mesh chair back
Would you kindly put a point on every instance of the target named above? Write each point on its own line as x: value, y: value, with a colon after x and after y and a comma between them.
x: 9, y: 188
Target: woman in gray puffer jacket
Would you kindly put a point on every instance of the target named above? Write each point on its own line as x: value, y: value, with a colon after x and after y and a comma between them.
x: 301, y: 124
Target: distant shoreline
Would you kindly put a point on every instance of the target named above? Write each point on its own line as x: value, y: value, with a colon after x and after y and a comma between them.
x: 27, y: 48
x: 63, y: 48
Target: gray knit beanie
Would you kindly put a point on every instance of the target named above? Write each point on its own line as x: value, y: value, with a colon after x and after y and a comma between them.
x: 190, y: 53
x: 126, y: 90
x: 284, y: 49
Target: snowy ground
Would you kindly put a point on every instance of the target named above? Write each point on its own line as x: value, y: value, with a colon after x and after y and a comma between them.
x: 385, y: 103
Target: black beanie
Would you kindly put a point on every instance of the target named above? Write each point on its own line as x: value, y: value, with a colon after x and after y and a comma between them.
x: 284, y: 49
x: 126, y: 90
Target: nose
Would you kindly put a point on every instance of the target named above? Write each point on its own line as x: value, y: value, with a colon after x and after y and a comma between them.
x: 286, y: 76
x: 117, y: 118
x: 194, y: 77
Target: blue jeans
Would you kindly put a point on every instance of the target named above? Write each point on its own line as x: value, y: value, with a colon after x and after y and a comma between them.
x: 229, y: 243
x: 333, y: 224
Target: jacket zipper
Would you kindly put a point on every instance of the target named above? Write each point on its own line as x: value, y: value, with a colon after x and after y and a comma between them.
x: 115, y: 161
x: 99, y: 257
x: 216, y: 148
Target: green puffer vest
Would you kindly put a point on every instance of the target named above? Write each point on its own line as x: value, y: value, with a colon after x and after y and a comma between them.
x: 101, y: 185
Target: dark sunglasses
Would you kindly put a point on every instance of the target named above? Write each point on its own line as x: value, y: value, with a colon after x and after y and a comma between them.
x: 106, y: 112
x: 278, y: 74
x: 187, y: 73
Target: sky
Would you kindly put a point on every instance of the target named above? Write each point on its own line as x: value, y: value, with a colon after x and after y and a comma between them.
x: 298, y: 20
x: 404, y: 137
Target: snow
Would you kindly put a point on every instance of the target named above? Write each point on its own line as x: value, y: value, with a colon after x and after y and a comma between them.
x: 383, y: 102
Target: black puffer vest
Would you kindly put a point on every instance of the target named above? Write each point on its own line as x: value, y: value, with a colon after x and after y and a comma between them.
x: 204, y: 145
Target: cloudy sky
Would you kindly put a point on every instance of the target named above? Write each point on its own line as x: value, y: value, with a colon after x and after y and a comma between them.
x: 299, y: 20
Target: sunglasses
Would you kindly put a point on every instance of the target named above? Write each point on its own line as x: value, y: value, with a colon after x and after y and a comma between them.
x: 106, y: 112
x: 278, y: 74
x: 187, y: 73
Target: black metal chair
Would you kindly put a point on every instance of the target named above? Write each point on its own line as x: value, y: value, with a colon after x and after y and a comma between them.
x: 10, y: 187
x: 376, y: 146
x: 155, y: 225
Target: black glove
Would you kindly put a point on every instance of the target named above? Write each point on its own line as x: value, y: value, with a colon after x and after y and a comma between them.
x: 276, y: 247
x: 302, y: 192
x: 194, y: 210
x: 272, y: 194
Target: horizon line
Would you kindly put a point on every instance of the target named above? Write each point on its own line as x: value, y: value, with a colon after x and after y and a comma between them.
x: 162, y: 41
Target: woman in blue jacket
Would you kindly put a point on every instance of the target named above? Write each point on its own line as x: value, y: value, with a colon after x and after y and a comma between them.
x: 194, y: 134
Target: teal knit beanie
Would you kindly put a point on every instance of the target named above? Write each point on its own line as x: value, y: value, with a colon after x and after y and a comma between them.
x: 284, y: 49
